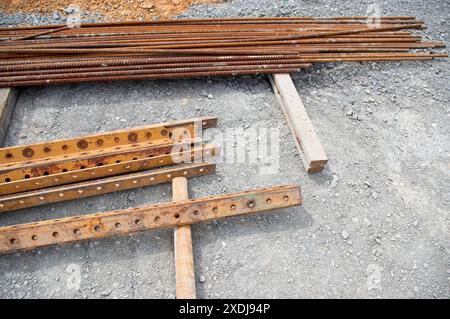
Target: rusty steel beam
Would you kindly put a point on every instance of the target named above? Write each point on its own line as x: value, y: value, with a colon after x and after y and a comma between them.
x: 111, y: 141
x: 59, y: 175
x: 102, y: 186
x: 96, y: 158
x: 121, y: 222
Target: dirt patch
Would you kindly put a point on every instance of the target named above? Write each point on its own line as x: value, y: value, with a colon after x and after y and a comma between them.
x: 111, y: 10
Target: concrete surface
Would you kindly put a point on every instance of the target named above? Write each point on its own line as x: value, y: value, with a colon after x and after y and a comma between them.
x: 374, y: 224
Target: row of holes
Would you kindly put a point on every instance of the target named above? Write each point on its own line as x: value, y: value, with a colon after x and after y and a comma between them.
x: 250, y: 204
x: 64, y: 170
x: 99, y: 188
x: 100, y: 142
x: 97, y: 228
x: 82, y: 144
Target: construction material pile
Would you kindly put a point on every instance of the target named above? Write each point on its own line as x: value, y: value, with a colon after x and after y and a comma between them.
x: 195, y: 48
x: 80, y: 167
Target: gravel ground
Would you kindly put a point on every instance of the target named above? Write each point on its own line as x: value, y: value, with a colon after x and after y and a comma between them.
x: 374, y: 224
x: 22, y: 18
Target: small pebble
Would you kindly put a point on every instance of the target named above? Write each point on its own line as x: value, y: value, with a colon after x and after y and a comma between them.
x: 345, y: 235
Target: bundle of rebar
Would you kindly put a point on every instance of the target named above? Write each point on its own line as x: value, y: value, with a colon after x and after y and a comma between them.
x: 166, y: 49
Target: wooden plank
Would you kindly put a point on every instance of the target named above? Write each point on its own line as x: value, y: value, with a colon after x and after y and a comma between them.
x: 8, y: 98
x: 308, y: 143
x: 121, y: 222
x: 184, y: 258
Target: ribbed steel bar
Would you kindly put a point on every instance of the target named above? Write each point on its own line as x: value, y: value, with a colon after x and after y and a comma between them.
x: 114, y: 73
x: 35, y: 35
x: 182, y: 29
x: 198, y: 37
x: 191, y: 43
x: 109, y: 60
x: 146, y: 51
x: 217, y: 21
x: 269, y: 38
x: 194, y: 36
x: 202, y: 47
x: 269, y: 26
x: 37, y: 71
x: 148, y: 77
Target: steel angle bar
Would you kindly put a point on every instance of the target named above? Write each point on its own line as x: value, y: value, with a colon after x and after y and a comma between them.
x: 103, y: 186
x: 121, y: 222
x: 155, y: 134
x: 58, y: 176
x: 94, y: 159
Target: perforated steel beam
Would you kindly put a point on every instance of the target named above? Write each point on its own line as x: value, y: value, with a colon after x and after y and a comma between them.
x: 102, y: 186
x: 53, y: 232
x: 38, y: 177
x: 13, y: 157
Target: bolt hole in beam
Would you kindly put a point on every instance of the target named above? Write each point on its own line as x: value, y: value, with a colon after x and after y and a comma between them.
x: 150, y: 217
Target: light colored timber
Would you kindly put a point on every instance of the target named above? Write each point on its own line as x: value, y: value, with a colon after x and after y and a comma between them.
x: 310, y: 148
x: 121, y: 222
x: 184, y: 258
x: 8, y: 98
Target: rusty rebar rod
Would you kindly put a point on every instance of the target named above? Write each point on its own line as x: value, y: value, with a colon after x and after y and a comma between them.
x: 202, y: 47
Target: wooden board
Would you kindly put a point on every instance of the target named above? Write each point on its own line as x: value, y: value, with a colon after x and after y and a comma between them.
x: 184, y: 258
x: 308, y: 143
x: 7, y: 101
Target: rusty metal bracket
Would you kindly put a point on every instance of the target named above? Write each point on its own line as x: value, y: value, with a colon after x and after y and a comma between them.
x: 71, y: 229
x: 88, y: 169
x: 109, y: 142
x: 102, y: 186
